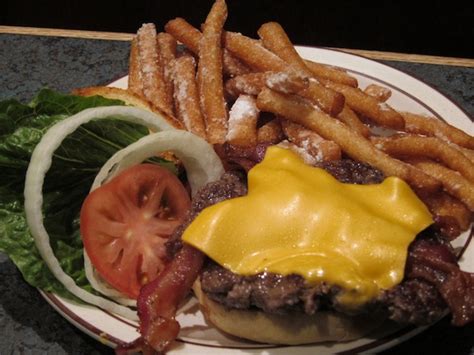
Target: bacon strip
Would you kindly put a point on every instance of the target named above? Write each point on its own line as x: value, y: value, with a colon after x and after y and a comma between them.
x: 436, y: 264
x: 159, y: 301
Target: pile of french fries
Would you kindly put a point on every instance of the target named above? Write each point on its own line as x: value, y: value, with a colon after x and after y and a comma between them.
x: 219, y: 85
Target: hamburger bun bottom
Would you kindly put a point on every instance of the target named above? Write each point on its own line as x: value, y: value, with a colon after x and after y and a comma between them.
x: 289, y: 329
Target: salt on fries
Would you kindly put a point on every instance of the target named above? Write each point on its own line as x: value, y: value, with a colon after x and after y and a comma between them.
x: 186, y: 95
x: 209, y: 76
x: 243, y: 118
x: 250, y: 92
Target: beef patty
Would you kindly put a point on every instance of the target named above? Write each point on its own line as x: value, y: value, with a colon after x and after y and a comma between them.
x: 412, y: 301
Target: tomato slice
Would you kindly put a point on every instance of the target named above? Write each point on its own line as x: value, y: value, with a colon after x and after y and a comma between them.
x: 125, y: 223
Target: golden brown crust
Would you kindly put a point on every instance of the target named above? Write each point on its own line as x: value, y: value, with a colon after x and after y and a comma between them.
x: 292, y: 329
x: 126, y: 96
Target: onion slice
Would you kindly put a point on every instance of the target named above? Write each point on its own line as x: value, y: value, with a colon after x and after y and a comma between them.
x: 41, y: 161
x: 201, y: 162
x: 202, y: 166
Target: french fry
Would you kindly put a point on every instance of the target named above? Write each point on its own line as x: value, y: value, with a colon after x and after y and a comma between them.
x: 378, y: 92
x: 329, y: 72
x: 167, y: 52
x: 412, y: 146
x: 252, y: 83
x: 186, y: 95
x: 274, y: 38
x: 270, y: 132
x: 246, y: 84
x: 190, y: 36
x: 209, y: 76
x: 261, y: 59
x: 453, y: 183
x: 468, y: 153
x: 329, y: 101
x: 351, y: 119
x: 287, y: 82
x: 233, y: 66
x: 243, y: 118
x: 378, y: 112
x: 134, y: 74
x: 301, y: 152
x: 152, y: 73
x: 451, y: 215
x: 252, y: 53
x: 315, y: 145
x: 431, y: 126
x: 185, y: 33
x: 351, y: 142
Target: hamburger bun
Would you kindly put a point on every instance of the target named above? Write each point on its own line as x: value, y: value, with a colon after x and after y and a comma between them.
x: 128, y: 97
x: 288, y: 329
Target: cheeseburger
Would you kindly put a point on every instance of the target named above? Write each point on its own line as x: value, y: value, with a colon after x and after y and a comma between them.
x: 297, y: 254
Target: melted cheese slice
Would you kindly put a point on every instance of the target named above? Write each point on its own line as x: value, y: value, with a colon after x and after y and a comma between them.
x: 299, y: 219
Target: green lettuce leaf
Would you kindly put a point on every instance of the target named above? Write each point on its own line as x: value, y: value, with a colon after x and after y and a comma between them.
x: 75, y: 165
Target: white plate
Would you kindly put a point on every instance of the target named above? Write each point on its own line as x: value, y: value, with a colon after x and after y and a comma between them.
x: 196, y: 337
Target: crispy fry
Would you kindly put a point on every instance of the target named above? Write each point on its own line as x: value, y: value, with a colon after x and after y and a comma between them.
x: 134, y: 74
x: 329, y: 72
x: 152, y: 73
x: 453, y: 183
x: 167, y: 51
x: 274, y: 38
x: 252, y: 53
x: 450, y: 214
x: 301, y: 152
x: 287, y: 82
x: 186, y: 95
x: 379, y: 112
x: 210, y: 81
x: 190, y: 36
x: 233, y: 66
x: 185, y: 33
x: 351, y: 119
x: 413, y: 146
x: 379, y: 92
x: 315, y: 145
x: 252, y: 83
x: 270, y: 132
x: 246, y: 84
x: 328, y: 100
x: 468, y: 153
x: 431, y: 126
x: 261, y: 59
x: 243, y: 118
x: 352, y: 143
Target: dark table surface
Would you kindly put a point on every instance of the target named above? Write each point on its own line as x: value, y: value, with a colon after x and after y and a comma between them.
x: 28, y: 325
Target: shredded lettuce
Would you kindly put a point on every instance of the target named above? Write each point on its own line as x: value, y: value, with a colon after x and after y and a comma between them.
x: 74, y: 168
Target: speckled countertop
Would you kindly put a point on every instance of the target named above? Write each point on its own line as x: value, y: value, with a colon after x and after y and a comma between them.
x: 28, y: 325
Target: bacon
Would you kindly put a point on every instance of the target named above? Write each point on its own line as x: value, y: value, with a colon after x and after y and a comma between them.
x: 436, y: 263
x: 235, y: 157
x: 158, y: 302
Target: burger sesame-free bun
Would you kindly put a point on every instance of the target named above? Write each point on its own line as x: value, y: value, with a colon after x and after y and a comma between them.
x: 290, y: 329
